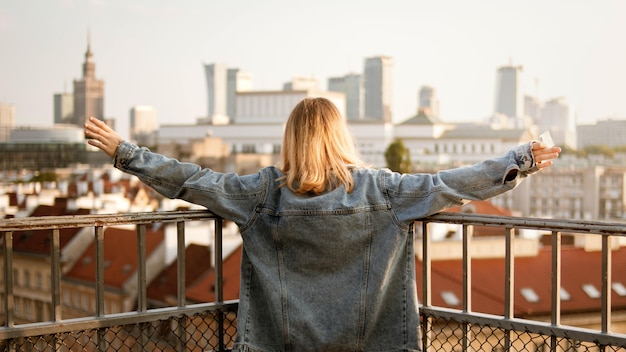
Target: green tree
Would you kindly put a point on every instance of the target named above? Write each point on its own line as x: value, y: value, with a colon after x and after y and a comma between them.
x: 44, y: 176
x: 600, y: 149
x: 398, y: 157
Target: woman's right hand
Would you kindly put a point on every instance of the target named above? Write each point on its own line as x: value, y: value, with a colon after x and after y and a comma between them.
x: 102, y: 136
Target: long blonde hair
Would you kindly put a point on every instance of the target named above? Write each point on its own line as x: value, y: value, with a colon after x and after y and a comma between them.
x: 318, y: 150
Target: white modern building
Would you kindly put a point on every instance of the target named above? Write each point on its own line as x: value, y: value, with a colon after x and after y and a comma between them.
x: 557, y: 118
x: 257, y: 107
x: 222, y: 86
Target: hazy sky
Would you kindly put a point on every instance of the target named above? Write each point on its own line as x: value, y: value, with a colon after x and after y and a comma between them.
x: 151, y: 52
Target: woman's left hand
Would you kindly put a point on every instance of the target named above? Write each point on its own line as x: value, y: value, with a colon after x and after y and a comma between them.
x: 544, y: 155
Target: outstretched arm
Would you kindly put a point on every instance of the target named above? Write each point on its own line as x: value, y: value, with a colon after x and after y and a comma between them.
x: 103, y: 137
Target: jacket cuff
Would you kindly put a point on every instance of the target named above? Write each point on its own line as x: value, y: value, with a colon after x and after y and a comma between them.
x: 122, y: 154
x: 525, y: 159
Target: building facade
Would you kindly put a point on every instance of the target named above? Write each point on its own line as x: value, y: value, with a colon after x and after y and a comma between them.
x: 143, y: 125
x: 88, y: 92
x: 352, y: 86
x: 7, y: 121
x: 378, y: 82
x: 222, y: 86
x: 557, y: 118
x: 428, y: 101
x: 609, y: 132
x: 508, y: 95
x: 63, y: 108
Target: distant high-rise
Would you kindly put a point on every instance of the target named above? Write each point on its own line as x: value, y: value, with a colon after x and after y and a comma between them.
x: 143, y: 125
x: 532, y: 108
x: 7, y: 121
x: 352, y: 86
x: 216, y: 78
x: 238, y: 81
x: 557, y: 118
x: 63, y: 107
x: 88, y: 92
x: 378, y: 88
x: 508, y: 96
x: 428, y: 101
x: 222, y: 85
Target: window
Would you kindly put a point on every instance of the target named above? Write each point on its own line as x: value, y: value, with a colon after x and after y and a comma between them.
x: 619, y: 288
x: 529, y: 294
x: 565, y: 296
x: 26, y: 278
x: 450, y: 298
x: 38, y: 280
x: 591, y: 291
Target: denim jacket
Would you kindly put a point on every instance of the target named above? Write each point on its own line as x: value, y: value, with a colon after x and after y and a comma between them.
x: 332, y: 272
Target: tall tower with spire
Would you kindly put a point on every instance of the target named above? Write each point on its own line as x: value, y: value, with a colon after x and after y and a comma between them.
x: 88, y: 91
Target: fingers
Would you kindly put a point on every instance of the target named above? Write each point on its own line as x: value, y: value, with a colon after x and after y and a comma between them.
x: 544, y: 155
x: 103, y: 137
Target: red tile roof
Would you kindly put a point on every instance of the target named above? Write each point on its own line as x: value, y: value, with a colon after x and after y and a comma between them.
x: 204, y: 289
x: 578, y: 268
x: 198, y: 262
x: 38, y: 241
x: 120, y: 256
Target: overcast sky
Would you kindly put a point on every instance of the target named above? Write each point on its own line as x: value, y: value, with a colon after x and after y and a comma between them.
x: 151, y: 52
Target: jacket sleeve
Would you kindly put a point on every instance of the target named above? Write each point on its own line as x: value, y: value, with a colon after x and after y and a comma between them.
x: 414, y: 196
x: 228, y: 195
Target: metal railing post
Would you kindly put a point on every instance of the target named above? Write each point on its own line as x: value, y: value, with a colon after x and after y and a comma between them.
x: 509, y: 282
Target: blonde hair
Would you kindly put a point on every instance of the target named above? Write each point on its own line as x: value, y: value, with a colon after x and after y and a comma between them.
x: 318, y: 150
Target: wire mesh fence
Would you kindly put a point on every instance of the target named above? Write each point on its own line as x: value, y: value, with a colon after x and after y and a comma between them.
x: 208, y: 331
x: 444, y: 334
x: 215, y: 330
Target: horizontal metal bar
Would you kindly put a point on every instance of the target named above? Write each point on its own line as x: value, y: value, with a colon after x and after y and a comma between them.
x: 128, y: 318
x: 73, y: 221
x: 578, y: 226
x: 529, y: 326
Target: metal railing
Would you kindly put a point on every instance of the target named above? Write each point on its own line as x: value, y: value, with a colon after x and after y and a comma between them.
x: 476, y: 331
x: 212, y: 326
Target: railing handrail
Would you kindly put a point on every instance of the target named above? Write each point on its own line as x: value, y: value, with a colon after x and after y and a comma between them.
x: 87, y: 220
x: 548, y: 225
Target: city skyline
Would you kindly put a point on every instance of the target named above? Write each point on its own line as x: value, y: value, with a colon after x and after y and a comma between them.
x: 153, y: 53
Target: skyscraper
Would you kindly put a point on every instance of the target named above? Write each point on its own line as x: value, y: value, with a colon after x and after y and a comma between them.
x: 508, y: 96
x: 352, y: 86
x: 378, y: 88
x: 556, y: 117
x: 88, y: 92
x: 216, y: 78
x: 222, y: 85
x: 428, y: 101
x: 63, y: 107
x: 238, y: 81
